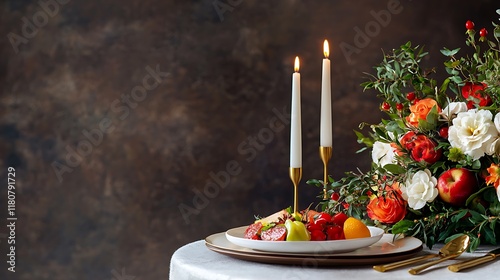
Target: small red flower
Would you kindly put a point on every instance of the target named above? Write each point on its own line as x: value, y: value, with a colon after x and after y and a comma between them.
x: 407, y: 141
x: 421, y: 147
x: 425, y: 150
x: 474, y: 94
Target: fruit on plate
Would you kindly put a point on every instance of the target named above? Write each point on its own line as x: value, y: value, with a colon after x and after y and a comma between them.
x: 310, y: 225
x: 253, y: 231
x: 456, y: 185
x: 296, y: 231
x: 273, y: 217
x: 354, y: 228
x: 276, y: 233
x: 323, y: 226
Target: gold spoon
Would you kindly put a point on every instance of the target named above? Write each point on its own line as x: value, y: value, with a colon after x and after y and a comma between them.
x: 451, y: 250
x: 446, y: 248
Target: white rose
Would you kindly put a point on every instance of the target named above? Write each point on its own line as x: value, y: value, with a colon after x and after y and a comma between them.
x: 450, y: 111
x: 383, y: 153
x: 497, y: 122
x: 473, y: 132
x: 419, y: 189
x: 494, y: 147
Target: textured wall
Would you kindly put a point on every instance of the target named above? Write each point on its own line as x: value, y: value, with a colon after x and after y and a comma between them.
x: 116, y: 113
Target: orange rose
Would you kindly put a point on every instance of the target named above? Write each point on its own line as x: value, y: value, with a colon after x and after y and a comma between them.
x: 397, y: 149
x: 493, y: 177
x: 420, y: 110
x: 388, y: 209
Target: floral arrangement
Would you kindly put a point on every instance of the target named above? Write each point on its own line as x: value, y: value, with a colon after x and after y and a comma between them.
x: 436, y: 158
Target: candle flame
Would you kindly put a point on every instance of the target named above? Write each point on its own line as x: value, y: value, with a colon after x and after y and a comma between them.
x: 326, y: 49
x: 297, y: 64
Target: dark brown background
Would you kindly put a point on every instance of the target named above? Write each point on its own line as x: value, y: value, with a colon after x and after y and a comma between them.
x: 118, y: 207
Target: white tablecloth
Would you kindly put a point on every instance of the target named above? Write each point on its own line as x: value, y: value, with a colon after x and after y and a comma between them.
x: 196, y: 261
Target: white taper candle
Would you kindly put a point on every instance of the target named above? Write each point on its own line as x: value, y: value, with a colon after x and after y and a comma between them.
x: 326, y: 102
x: 296, y: 126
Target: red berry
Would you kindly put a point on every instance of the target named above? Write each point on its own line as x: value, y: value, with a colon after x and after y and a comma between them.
x: 335, y: 196
x: 335, y: 232
x: 399, y: 106
x: 469, y: 25
x: 410, y: 96
x: 443, y: 132
x: 386, y: 106
x: 322, y: 218
x: 415, y: 101
x: 339, y: 218
x: 483, y: 32
x: 312, y: 227
x: 318, y: 235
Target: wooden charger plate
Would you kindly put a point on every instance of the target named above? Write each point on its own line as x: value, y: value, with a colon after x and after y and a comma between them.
x: 386, y: 250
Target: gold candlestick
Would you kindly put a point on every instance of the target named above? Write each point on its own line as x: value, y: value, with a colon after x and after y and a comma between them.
x: 326, y: 154
x: 295, y: 175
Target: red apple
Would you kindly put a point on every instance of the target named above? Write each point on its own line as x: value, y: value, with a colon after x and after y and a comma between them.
x: 456, y: 185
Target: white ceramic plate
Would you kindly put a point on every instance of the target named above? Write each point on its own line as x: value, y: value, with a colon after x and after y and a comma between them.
x: 236, y: 236
x: 388, y: 249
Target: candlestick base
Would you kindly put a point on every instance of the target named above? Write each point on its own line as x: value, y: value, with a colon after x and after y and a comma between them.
x: 295, y: 176
x: 326, y: 154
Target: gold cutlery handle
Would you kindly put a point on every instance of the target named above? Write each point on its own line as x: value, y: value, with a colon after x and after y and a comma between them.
x: 470, y: 263
x: 390, y: 266
x: 418, y: 269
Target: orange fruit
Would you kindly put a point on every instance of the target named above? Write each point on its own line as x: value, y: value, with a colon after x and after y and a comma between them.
x: 354, y: 228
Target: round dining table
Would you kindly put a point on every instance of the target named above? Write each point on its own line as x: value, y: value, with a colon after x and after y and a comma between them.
x: 201, y: 260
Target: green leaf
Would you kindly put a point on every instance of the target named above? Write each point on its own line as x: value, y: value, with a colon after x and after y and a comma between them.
x: 457, y: 79
x: 496, y: 32
x: 402, y: 226
x: 474, y: 195
x: 474, y: 243
x: 455, y: 63
x: 314, y: 182
x: 394, y: 168
x: 476, y: 164
x: 448, y: 52
x: 460, y: 215
x: 453, y: 237
x: 476, y: 217
x: 489, y: 235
